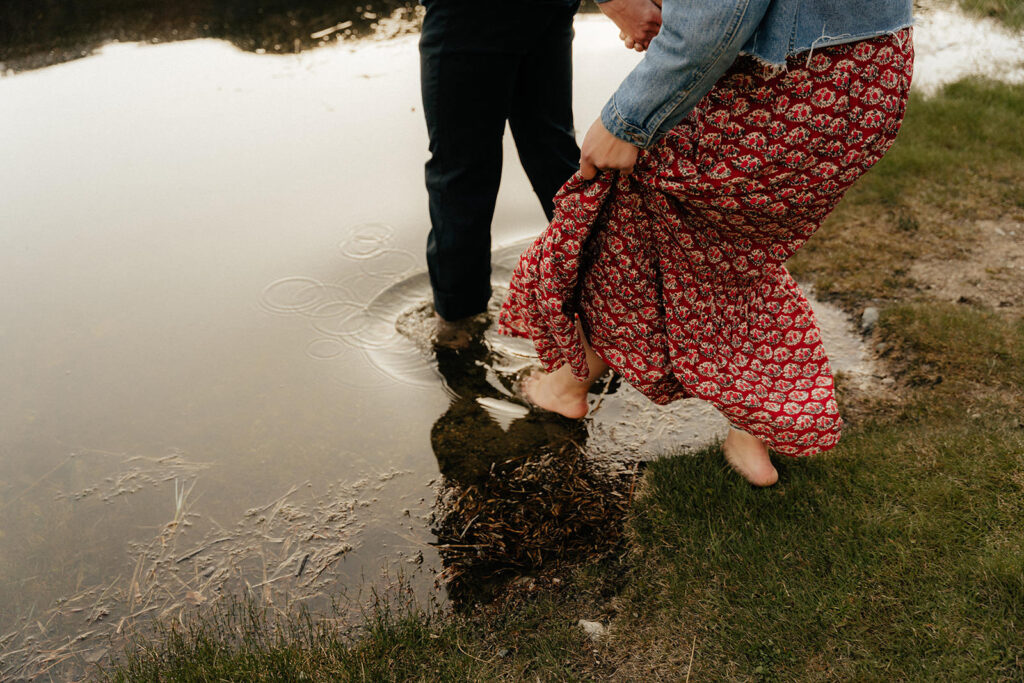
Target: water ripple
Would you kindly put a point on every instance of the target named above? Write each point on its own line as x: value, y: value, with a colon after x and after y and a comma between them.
x: 389, y: 264
x: 367, y: 240
x: 292, y: 294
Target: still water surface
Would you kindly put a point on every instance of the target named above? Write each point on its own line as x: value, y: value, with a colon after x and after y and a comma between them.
x: 212, y: 345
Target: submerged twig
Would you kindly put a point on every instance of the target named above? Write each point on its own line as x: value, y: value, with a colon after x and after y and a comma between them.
x: 200, y: 549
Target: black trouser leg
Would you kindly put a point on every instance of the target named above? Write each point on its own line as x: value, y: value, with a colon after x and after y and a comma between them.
x: 470, y: 57
x: 466, y: 93
x: 541, y: 115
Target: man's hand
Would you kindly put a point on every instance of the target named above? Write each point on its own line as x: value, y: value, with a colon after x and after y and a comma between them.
x: 602, y: 151
x: 639, y: 20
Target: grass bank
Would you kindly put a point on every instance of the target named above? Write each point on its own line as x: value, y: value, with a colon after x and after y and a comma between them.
x: 898, y: 556
x: 1009, y: 12
x: 957, y: 160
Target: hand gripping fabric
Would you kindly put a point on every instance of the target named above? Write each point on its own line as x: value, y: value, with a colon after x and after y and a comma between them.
x: 676, y: 271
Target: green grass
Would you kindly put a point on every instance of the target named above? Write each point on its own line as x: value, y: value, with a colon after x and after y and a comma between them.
x: 971, y: 346
x: 398, y: 642
x: 1010, y: 12
x: 899, y: 557
x: 958, y: 158
x: 968, y: 129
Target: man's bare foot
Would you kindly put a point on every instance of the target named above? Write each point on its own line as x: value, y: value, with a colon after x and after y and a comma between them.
x: 452, y: 334
x: 551, y: 391
x: 748, y: 455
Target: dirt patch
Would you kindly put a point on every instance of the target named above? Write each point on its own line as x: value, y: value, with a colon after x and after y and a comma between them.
x: 990, y: 274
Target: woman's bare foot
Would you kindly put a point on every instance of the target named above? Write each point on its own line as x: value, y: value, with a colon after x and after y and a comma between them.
x: 560, y: 391
x: 557, y: 391
x: 748, y: 455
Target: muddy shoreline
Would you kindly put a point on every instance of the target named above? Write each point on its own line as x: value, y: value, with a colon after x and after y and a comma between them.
x: 35, y: 35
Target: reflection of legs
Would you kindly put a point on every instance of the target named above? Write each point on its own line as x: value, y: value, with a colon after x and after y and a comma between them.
x: 541, y: 114
x: 466, y: 95
x: 559, y: 391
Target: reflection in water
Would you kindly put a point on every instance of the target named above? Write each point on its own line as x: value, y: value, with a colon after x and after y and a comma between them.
x: 519, y: 492
x: 35, y: 34
x: 470, y: 440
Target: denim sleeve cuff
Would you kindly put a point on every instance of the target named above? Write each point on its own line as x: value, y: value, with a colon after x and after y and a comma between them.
x: 623, y: 129
x: 696, y: 45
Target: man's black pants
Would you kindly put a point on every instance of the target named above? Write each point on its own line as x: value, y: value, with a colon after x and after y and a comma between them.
x: 483, y: 63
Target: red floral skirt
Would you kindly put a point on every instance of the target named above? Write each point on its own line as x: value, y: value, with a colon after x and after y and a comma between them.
x: 676, y: 271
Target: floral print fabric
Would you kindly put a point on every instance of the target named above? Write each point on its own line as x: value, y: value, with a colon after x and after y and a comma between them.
x: 676, y: 271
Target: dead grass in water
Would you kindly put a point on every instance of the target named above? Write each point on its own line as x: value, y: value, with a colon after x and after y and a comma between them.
x: 530, y: 514
x: 277, y: 556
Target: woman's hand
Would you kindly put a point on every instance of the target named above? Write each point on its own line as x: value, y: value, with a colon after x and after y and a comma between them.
x: 602, y: 151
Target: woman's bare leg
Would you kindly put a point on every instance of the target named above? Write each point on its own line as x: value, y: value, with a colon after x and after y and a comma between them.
x: 748, y: 455
x: 560, y: 391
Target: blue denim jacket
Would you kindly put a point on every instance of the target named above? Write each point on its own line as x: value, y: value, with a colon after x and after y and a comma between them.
x: 700, y: 39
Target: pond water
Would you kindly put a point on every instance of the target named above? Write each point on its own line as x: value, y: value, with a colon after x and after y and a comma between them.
x: 213, y: 350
